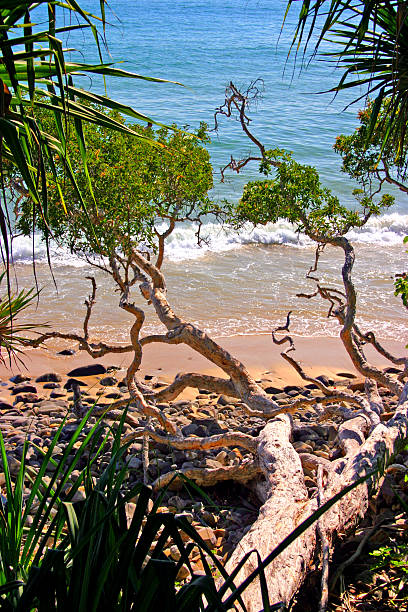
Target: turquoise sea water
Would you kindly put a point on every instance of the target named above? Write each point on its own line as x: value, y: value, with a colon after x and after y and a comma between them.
x: 207, y: 44
x: 247, y: 281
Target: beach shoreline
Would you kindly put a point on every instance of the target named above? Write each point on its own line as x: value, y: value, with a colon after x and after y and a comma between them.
x: 317, y: 354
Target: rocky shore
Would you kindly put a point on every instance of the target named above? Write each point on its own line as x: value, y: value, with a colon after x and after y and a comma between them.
x: 33, y: 408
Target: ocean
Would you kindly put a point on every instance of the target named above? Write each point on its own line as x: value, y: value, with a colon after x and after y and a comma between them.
x: 240, y: 283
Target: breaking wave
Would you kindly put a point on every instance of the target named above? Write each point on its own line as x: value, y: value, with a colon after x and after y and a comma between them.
x: 385, y: 230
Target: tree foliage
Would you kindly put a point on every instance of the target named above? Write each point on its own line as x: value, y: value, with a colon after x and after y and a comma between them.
x: 134, y: 191
x: 35, y: 74
x: 295, y: 193
x: 370, y: 162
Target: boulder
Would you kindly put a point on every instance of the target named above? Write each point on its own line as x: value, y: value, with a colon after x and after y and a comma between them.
x: 89, y: 370
x: 23, y: 388
x: 49, y: 377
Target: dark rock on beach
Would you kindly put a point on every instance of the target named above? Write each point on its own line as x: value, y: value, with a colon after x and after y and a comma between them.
x: 325, y: 380
x: 49, y: 377
x: 108, y: 381
x: 89, y: 370
x: 28, y: 398
x: 19, y: 378
x: 272, y: 390
x: 23, y: 388
x: 70, y: 381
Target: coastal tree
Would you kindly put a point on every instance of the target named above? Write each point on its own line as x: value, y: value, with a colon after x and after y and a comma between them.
x: 375, y: 164
x: 37, y: 73
x: 293, y: 191
x: 169, y: 186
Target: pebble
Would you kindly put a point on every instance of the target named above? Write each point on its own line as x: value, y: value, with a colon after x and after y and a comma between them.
x: 108, y: 381
x: 134, y: 463
x: 323, y: 454
x: 223, y: 400
x: 68, y: 384
x: 183, y: 572
x: 208, y: 415
x: 58, y: 393
x: 222, y: 457
x: 174, y: 552
x: 208, y: 535
x: 213, y: 464
x: 302, y: 447
x: 51, y: 385
x: 19, y: 378
x: 28, y: 398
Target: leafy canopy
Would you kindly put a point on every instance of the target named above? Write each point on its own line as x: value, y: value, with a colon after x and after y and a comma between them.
x: 295, y: 193
x: 36, y: 73
x: 374, y: 164
x: 369, y: 161
x: 137, y: 189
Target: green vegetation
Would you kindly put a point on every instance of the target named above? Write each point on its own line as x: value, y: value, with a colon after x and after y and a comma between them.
x: 13, y: 335
x: 370, y: 46
x: 136, y: 188
x: 374, y: 163
x: 61, y: 552
x: 367, y: 159
x: 35, y: 74
x: 296, y: 194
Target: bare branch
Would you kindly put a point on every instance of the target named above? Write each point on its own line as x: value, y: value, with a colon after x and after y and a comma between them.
x: 196, y: 443
x: 237, y: 104
x: 89, y: 304
x: 197, y: 381
x: 206, y: 477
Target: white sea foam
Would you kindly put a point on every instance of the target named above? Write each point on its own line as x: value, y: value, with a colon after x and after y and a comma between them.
x: 385, y: 230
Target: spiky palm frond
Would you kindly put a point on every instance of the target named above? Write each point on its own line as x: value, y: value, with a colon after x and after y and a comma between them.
x: 13, y: 336
x: 370, y: 46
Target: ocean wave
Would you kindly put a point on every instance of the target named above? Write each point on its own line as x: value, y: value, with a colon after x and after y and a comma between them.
x: 385, y: 230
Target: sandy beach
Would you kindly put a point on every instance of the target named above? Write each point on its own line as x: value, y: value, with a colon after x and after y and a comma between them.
x: 317, y: 355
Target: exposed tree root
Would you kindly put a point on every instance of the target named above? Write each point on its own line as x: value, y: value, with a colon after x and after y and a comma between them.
x: 209, y: 477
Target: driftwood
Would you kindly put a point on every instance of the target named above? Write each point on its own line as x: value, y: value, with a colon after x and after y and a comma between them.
x: 287, y: 503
